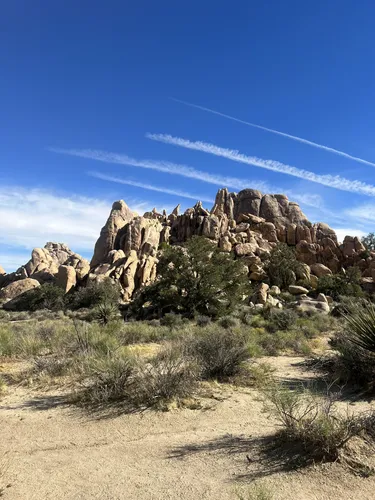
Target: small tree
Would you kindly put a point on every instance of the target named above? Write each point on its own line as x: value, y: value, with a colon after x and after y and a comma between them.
x: 195, y: 279
x: 346, y: 283
x: 282, y: 266
x: 95, y: 293
x: 369, y: 241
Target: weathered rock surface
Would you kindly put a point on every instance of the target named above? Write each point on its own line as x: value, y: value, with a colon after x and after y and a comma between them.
x: 66, y: 278
x: 119, y: 216
x: 45, y: 263
x: 17, y: 288
x: 297, y: 290
x: 2, y: 271
x: 247, y: 223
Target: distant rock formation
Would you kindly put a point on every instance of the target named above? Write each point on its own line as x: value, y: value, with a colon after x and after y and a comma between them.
x: 45, y: 267
x: 247, y: 223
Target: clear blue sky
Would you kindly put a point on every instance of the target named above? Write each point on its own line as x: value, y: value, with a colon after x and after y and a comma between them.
x: 93, y: 75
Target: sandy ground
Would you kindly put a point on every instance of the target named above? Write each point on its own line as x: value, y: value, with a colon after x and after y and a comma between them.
x: 56, y: 452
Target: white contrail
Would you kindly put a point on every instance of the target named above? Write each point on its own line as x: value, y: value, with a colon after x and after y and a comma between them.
x: 150, y: 187
x: 333, y: 181
x: 308, y: 199
x: 283, y: 134
x: 165, y: 167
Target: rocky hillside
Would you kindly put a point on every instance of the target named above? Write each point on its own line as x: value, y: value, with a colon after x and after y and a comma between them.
x: 247, y: 223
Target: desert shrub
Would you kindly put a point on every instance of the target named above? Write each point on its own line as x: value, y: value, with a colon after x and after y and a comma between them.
x: 282, y: 266
x: 274, y: 343
x: 196, y: 279
x: 91, y: 339
x: 355, y: 344
x: 52, y: 366
x: 314, y: 423
x: 47, y: 296
x: 203, y: 320
x: 95, y: 293
x: 346, y: 283
x: 110, y: 380
x: 172, y: 320
x: 220, y: 352
x: 105, y: 312
x: 257, y: 321
x: 281, y: 319
x: 170, y: 375
x: 228, y: 322
x: 138, y: 384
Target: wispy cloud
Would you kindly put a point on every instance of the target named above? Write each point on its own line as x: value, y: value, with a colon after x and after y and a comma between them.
x: 363, y: 213
x: 165, y: 167
x: 31, y: 217
x: 283, y: 134
x: 174, y: 192
x: 333, y: 181
x: 307, y: 199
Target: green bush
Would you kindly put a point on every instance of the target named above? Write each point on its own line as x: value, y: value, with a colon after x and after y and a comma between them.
x: 345, y: 283
x: 228, y: 322
x: 95, y: 293
x: 281, y: 266
x: 196, y: 279
x: 203, y: 320
x: 356, y: 347
x: 172, y: 320
x: 281, y: 319
x: 105, y: 312
x: 219, y: 352
x: 47, y: 296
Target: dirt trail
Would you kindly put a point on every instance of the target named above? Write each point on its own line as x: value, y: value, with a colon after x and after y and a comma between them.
x: 56, y: 452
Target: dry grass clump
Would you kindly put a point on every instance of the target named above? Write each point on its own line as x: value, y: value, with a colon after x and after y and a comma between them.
x: 315, y: 424
x: 137, y: 383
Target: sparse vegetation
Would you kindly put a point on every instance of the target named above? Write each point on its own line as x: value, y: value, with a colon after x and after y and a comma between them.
x: 282, y: 266
x: 220, y: 353
x: 346, y: 283
x: 314, y: 422
x: 196, y: 279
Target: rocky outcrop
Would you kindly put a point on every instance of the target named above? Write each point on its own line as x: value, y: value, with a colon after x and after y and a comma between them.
x: 66, y: 278
x: 248, y: 224
x: 45, y: 264
x: 119, y: 216
x: 17, y: 288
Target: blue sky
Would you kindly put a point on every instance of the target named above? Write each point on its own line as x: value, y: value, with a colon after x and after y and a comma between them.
x: 87, y: 116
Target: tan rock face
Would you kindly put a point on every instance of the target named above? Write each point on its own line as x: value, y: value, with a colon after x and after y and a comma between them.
x: 17, y: 288
x: 320, y: 270
x: 66, y: 278
x: 2, y: 270
x: 119, y: 216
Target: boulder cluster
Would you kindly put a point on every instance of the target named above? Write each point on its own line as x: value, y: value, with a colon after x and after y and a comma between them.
x: 55, y: 263
x: 247, y: 223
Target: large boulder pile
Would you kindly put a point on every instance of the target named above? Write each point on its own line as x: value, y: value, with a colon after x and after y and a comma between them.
x: 55, y: 263
x: 247, y: 223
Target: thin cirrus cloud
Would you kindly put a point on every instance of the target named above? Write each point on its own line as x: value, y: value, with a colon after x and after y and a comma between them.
x: 308, y: 199
x: 165, y: 167
x: 277, y: 132
x: 333, y: 181
x: 173, y: 192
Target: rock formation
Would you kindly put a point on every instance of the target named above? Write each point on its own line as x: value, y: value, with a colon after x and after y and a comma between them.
x: 247, y: 223
x: 46, y: 266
